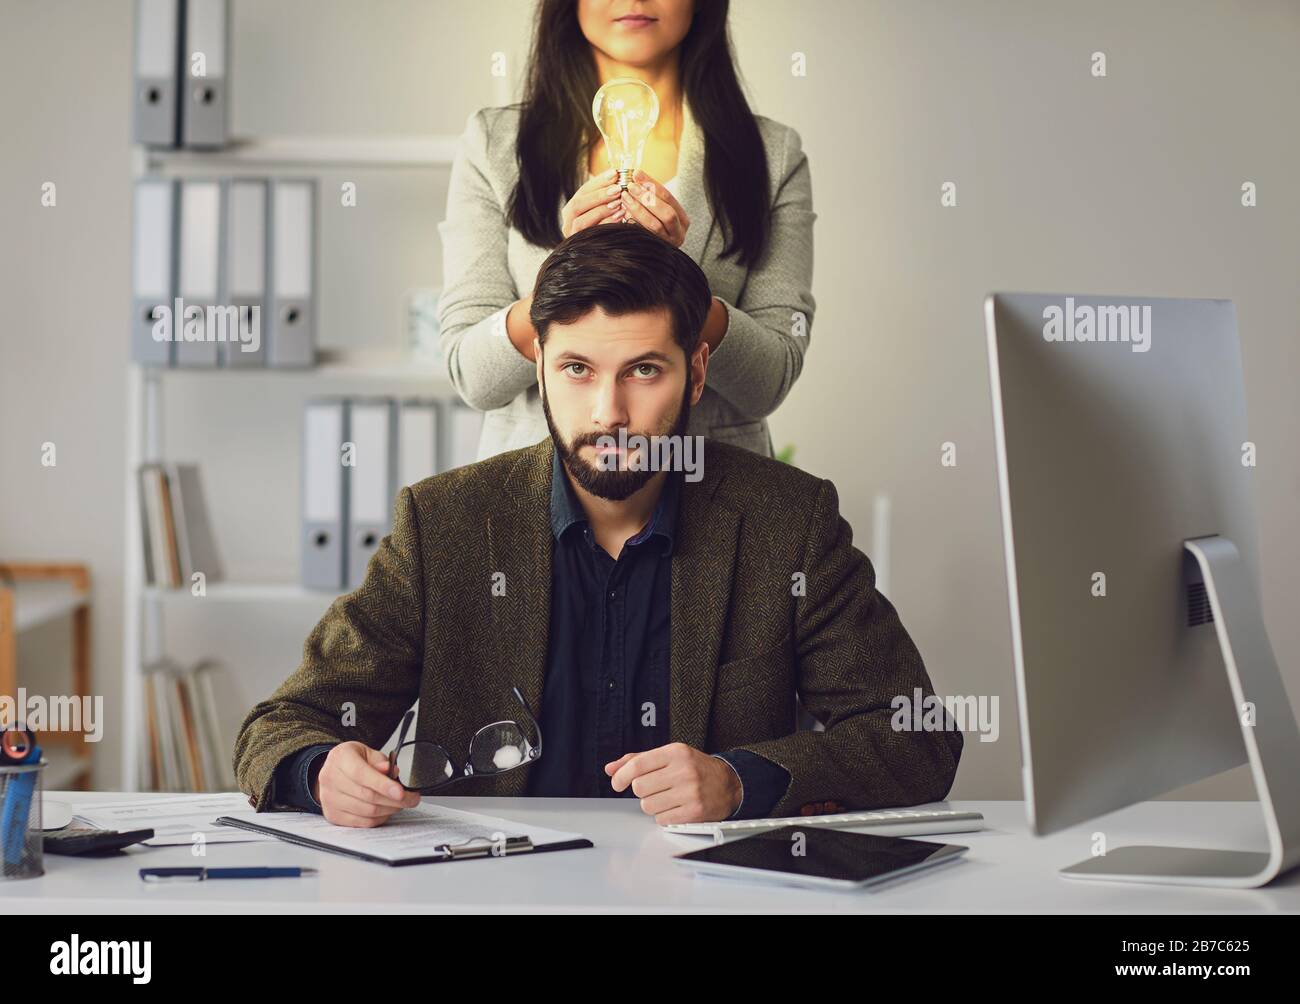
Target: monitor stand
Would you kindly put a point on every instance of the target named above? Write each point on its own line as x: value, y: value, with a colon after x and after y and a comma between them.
x: 1272, y: 746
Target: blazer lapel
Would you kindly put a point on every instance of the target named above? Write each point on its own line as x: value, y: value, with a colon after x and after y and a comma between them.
x: 704, y: 564
x: 703, y: 570
x: 690, y: 188
x: 519, y: 547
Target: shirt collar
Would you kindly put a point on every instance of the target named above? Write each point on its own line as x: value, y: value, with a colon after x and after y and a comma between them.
x: 566, y: 510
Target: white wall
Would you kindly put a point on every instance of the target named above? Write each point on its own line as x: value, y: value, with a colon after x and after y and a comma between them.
x: 1125, y: 185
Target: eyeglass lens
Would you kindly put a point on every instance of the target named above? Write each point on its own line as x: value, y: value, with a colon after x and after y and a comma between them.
x: 495, y: 748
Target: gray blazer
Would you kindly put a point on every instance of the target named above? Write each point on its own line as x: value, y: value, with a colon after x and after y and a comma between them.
x: 488, y: 265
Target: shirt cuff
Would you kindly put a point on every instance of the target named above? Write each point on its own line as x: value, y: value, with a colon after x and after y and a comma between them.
x: 499, y: 345
x: 497, y: 326
x: 295, y: 774
x: 762, y: 783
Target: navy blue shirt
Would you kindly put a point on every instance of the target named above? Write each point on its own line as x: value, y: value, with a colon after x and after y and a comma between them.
x: 607, y: 686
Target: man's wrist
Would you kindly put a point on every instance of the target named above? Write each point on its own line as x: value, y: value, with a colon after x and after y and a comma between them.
x: 313, y: 775
x: 735, y: 786
x: 292, y: 781
x: 762, y: 782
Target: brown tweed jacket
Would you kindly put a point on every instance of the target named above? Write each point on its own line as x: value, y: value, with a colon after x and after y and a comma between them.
x: 426, y: 624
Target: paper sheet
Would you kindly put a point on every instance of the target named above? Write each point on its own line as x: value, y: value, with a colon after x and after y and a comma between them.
x: 408, y: 833
x: 173, y: 818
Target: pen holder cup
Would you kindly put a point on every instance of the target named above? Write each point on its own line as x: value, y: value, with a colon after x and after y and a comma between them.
x: 21, y: 837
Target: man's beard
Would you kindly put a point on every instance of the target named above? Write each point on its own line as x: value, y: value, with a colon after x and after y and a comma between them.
x: 614, y: 485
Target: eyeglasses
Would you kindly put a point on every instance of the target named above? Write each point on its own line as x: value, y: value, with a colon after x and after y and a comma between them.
x: 495, y: 748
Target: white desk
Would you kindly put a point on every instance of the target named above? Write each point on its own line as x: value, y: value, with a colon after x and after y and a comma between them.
x: 1007, y: 870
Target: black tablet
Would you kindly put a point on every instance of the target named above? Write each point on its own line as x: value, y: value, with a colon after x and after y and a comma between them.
x: 810, y: 855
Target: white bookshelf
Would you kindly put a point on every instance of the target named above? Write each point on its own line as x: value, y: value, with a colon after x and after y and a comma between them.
x: 304, y: 154
x: 144, y: 606
x: 241, y: 592
x: 366, y: 365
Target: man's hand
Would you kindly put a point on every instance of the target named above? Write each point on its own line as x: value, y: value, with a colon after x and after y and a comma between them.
x: 678, y: 784
x: 354, y: 789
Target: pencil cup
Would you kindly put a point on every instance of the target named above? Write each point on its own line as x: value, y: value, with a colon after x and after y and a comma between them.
x: 20, y: 821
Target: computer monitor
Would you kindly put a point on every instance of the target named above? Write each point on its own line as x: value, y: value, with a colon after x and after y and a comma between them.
x: 1126, y: 478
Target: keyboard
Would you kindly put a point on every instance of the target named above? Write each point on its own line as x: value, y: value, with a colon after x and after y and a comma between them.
x: 885, y: 822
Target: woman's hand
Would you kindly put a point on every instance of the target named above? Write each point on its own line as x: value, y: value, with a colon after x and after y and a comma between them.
x: 595, y: 202
x: 650, y: 204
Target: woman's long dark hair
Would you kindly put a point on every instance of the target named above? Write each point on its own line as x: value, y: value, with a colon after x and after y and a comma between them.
x: 556, y: 128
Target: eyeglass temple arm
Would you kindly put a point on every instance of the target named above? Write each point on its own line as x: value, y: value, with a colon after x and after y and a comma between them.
x: 531, y: 719
x: 401, y: 738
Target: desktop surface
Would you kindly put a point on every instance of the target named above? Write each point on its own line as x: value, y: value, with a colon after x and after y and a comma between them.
x: 630, y: 869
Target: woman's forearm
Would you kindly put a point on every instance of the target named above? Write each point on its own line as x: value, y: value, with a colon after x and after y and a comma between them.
x: 519, y: 329
x: 715, y: 325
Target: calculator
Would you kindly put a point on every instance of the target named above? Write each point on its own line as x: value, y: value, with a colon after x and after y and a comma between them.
x: 86, y: 841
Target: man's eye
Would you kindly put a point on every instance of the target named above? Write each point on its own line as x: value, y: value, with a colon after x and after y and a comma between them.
x: 574, y: 367
x: 646, y: 369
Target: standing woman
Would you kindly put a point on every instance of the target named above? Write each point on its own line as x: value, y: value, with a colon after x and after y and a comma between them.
x: 730, y: 188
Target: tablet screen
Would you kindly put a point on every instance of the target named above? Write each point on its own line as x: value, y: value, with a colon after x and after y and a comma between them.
x: 816, y: 852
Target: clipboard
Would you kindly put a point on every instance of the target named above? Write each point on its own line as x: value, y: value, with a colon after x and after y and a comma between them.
x: 511, y: 846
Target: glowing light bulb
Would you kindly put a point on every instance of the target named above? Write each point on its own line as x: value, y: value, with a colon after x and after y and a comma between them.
x: 625, y: 110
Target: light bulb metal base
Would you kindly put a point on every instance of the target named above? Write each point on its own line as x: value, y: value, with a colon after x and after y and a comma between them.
x: 624, y: 178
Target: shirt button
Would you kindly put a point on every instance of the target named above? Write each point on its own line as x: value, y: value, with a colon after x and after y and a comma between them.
x: 613, y: 594
x: 609, y: 684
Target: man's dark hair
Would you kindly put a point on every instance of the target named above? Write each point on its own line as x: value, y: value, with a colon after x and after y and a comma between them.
x: 623, y: 269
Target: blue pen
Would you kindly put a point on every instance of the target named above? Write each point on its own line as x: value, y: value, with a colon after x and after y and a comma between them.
x: 200, y: 874
x: 17, y: 807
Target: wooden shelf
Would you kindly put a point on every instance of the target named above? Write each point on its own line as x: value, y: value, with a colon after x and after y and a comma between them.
x: 72, y: 740
x: 33, y: 593
x: 38, y: 602
x: 66, y: 775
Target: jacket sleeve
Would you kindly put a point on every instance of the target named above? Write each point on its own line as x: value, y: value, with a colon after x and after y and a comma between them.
x: 854, y: 659
x: 770, y: 325
x: 477, y: 289
x: 360, y: 670
x: 295, y: 775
